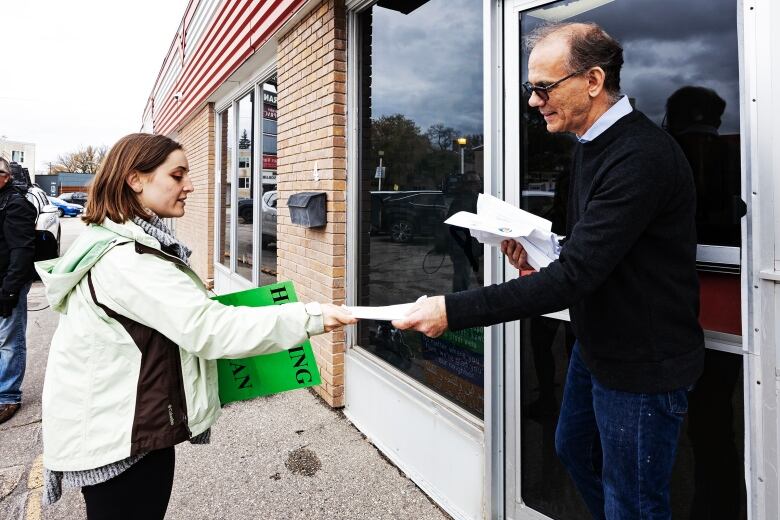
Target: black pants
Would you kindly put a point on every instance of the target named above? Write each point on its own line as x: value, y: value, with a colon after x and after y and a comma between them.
x: 140, y: 493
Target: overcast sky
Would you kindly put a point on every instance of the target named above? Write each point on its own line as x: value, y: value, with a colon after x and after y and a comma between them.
x: 427, y: 65
x: 79, y: 72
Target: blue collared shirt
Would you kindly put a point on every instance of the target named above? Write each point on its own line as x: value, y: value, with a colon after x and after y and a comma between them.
x: 607, y: 119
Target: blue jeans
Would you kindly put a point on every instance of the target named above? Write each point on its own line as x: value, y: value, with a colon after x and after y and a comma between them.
x: 618, y: 447
x: 13, y: 351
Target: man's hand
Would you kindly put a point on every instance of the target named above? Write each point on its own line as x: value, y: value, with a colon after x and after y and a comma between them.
x: 516, y: 255
x: 7, y: 303
x: 428, y: 315
x: 334, y: 317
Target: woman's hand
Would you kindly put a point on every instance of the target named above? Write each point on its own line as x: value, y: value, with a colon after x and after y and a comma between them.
x: 334, y: 317
x: 516, y: 255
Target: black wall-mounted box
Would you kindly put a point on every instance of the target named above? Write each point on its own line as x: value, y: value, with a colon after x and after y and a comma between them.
x: 307, y: 209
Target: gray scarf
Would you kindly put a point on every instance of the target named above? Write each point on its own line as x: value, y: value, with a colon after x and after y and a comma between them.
x: 156, y: 228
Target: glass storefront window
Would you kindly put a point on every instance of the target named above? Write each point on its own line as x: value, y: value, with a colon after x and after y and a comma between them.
x: 225, y: 183
x: 254, y: 182
x: 268, y: 182
x: 682, y: 71
x: 422, y: 160
x: 246, y: 141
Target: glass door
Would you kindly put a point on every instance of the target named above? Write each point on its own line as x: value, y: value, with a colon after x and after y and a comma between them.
x: 681, y: 70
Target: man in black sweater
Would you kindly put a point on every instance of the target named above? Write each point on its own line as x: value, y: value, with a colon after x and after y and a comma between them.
x: 626, y: 272
x: 17, y: 252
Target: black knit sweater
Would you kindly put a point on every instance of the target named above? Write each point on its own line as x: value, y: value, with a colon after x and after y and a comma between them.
x: 627, y: 271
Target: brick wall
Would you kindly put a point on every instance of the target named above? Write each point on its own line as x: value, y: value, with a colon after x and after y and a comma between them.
x: 196, y: 227
x: 311, y: 61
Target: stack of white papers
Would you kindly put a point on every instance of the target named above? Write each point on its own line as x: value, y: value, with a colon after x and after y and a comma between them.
x: 497, y: 221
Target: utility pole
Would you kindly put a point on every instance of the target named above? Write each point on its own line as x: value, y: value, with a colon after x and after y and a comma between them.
x: 462, y: 142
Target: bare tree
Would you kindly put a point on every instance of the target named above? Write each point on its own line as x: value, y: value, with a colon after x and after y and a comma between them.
x: 441, y: 136
x: 83, y: 160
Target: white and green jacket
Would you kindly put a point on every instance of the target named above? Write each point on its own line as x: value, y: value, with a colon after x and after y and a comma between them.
x: 131, y: 366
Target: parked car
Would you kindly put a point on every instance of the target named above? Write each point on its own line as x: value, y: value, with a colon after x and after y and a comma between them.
x: 75, y: 197
x: 66, y: 209
x: 268, y: 209
x: 47, y: 225
x: 405, y: 215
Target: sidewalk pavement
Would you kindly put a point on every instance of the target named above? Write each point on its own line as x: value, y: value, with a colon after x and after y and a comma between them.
x: 282, y: 457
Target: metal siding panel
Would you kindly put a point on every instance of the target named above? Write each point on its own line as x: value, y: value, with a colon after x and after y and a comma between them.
x: 198, y: 26
x: 224, y: 28
x: 194, y: 90
x: 237, y: 30
x: 206, y: 58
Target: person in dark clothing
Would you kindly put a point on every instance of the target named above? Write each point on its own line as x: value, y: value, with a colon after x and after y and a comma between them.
x: 626, y: 272
x: 693, y: 118
x: 17, y: 253
x: 463, y: 249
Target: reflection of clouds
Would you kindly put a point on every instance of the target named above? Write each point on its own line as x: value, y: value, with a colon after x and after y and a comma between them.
x: 428, y: 65
x: 669, y: 44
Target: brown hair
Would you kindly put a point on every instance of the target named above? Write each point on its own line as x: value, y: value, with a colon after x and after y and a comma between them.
x: 109, y: 194
x: 589, y: 46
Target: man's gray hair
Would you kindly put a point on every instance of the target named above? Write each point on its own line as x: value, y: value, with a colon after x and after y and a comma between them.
x: 5, y: 165
x: 589, y: 46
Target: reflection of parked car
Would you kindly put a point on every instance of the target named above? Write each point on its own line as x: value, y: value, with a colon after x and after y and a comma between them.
x: 268, y: 208
x: 75, y: 197
x: 47, y: 225
x: 407, y: 214
x: 66, y: 209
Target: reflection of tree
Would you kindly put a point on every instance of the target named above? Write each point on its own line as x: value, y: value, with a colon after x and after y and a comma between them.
x: 244, y: 142
x: 414, y: 160
x: 442, y: 136
x: 403, y: 146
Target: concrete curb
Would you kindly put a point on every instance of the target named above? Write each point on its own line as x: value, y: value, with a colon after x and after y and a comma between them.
x: 35, y: 489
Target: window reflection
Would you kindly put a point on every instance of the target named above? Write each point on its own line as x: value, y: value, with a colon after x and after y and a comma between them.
x: 681, y: 70
x: 694, y: 116
x: 422, y: 153
x: 226, y: 179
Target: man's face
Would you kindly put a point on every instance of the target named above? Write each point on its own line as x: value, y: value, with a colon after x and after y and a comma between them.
x: 568, y: 105
x: 5, y: 175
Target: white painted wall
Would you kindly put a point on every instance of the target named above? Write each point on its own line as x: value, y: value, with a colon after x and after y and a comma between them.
x: 7, y: 147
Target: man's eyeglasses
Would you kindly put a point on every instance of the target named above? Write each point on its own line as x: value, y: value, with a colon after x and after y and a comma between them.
x: 543, y: 91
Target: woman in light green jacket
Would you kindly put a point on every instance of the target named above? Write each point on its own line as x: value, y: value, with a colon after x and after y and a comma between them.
x: 131, y: 369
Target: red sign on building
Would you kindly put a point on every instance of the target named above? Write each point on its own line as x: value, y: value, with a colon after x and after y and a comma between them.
x: 269, y: 162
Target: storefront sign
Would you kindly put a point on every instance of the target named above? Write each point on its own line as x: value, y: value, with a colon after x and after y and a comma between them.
x: 269, y: 111
x: 269, y: 162
x: 269, y: 97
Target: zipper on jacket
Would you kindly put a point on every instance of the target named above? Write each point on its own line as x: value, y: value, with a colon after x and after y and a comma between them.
x: 178, y: 382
